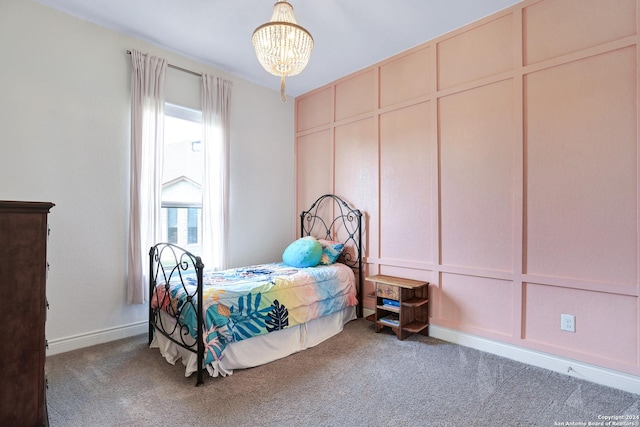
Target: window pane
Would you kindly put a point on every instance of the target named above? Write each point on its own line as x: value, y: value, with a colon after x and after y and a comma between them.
x: 172, y: 225
x: 172, y: 217
x: 192, y: 224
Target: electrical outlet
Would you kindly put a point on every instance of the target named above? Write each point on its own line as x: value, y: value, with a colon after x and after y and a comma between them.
x: 568, y: 322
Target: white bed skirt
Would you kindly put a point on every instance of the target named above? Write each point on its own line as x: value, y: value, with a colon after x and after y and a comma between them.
x: 257, y: 350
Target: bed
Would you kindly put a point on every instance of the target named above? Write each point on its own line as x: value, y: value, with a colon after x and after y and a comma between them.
x: 220, y: 321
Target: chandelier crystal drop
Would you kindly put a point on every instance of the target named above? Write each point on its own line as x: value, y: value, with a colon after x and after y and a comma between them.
x: 282, y: 46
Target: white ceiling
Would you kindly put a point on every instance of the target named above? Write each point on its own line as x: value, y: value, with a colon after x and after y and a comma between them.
x: 348, y: 34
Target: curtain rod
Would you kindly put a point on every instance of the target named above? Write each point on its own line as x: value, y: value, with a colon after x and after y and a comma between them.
x: 175, y: 67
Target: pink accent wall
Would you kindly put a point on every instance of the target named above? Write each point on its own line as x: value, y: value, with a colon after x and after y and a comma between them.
x: 500, y: 163
x: 402, y: 149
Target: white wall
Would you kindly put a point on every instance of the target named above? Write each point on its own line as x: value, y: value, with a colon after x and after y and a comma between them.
x: 64, y: 138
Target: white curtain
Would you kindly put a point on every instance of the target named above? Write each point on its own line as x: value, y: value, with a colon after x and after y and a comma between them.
x: 216, y: 95
x: 147, y: 130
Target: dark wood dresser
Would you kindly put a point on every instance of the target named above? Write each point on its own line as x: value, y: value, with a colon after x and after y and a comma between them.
x: 23, y: 311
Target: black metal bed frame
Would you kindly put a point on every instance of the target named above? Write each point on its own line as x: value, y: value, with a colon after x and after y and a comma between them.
x: 313, y: 224
x: 169, y: 263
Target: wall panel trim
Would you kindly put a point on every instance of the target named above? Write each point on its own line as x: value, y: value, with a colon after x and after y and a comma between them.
x: 463, y: 162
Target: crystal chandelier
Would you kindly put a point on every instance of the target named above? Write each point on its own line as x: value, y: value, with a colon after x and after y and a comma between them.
x: 282, y: 46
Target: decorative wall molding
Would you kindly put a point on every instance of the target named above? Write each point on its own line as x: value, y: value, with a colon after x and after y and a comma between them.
x: 485, y: 163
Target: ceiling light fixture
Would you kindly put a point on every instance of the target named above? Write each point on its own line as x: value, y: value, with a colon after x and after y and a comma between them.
x: 282, y: 46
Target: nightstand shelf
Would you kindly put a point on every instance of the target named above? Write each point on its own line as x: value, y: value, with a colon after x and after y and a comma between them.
x: 411, y: 315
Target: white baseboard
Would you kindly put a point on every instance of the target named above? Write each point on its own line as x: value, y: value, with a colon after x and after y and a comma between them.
x: 584, y: 371
x: 62, y: 345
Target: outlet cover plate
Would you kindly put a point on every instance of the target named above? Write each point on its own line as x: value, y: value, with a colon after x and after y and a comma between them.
x: 568, y: 322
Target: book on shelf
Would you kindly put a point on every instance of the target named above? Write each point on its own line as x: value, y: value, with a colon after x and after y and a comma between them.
x: 390, y: 302
x: 391, y: 319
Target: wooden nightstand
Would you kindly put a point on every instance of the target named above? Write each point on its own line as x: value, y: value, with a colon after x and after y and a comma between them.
x: 401, y: 304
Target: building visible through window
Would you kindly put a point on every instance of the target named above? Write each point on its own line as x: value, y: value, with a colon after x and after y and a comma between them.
x: 182, y: 178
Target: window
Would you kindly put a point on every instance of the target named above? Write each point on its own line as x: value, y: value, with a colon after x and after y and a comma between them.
x: 192, y: 225
x: 182, y: 178
x: 172, y: 225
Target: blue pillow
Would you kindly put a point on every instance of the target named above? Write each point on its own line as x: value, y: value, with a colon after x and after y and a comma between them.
x: 304, y: 252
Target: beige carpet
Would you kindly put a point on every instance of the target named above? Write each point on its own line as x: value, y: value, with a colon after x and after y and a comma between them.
x: 358, y: 378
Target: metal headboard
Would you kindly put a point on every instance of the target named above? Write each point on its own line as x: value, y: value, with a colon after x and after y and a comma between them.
x: 342, y: 223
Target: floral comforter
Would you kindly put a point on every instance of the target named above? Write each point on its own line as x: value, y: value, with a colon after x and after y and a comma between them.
x: 245, y: 302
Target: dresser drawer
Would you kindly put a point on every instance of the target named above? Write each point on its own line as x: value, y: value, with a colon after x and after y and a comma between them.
x: 388, y: 291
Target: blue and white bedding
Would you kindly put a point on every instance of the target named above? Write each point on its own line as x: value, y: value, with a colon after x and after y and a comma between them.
x: 251, y: 301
